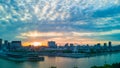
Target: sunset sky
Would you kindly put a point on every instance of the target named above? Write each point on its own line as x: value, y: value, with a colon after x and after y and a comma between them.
x: 63, y: 21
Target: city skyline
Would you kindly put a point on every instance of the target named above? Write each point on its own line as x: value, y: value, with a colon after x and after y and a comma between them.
x: 81, y: 22
x: 52, y: 44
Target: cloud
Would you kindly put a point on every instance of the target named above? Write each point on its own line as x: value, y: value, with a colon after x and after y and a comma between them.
x: 107, y: 12
x: 70, y: 19
x: 69, y: 35
x: 58, y: 10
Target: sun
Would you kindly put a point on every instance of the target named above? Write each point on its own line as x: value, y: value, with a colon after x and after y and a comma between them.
x: 36, y: 44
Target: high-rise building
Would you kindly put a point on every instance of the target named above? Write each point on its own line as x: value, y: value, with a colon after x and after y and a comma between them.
x: 6, y: 43
x: 16, y: 44
x: 105, y: 45
x: 71, y: 45
x: 98, y: 44
x: 0, y: 43
x: 66, y: 45
x: 52, y: 44
x: 110, y: 44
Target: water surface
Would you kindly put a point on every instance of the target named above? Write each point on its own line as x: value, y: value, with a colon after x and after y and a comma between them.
x: 63, y: 62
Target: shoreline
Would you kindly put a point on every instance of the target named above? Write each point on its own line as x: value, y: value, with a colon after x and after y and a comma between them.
x: 75, y: 55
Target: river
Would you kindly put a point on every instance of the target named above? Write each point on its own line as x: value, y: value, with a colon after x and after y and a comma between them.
x: 63, y: 62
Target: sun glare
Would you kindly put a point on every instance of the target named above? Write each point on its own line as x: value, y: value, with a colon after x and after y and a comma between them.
x: 36, y: 44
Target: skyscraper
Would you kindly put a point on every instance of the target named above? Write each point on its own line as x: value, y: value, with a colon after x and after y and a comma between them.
x: 16, y: 43
x: 6, y: 43
x: 66, y: 45
x: 110, y: 44
x: 0, y: 43
x: 105, y: 45
x: 52, y: 44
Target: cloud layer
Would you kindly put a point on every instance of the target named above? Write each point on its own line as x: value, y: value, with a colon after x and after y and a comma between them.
x: 59, y: 19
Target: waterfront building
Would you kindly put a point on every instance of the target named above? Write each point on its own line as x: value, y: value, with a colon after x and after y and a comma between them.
x: 75, y: 50
x: 0, y: 43
x: 66, y: 45
x: 6, y: 43
x: 105, y: 46
x: 71, y: 46
x: 110, y: 44
x: 52, y: 44
x: 84, y: 48
x: 15, y: 45
x: 97, y: 46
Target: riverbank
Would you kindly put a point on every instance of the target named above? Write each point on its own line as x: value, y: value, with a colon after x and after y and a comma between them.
x: 64, y: 62
x: 75, y: 55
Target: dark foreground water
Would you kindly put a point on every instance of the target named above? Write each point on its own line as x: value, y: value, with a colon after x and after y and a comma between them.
x: 62, y: 62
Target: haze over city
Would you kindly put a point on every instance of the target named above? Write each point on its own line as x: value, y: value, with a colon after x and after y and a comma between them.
x: 63, y: 21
